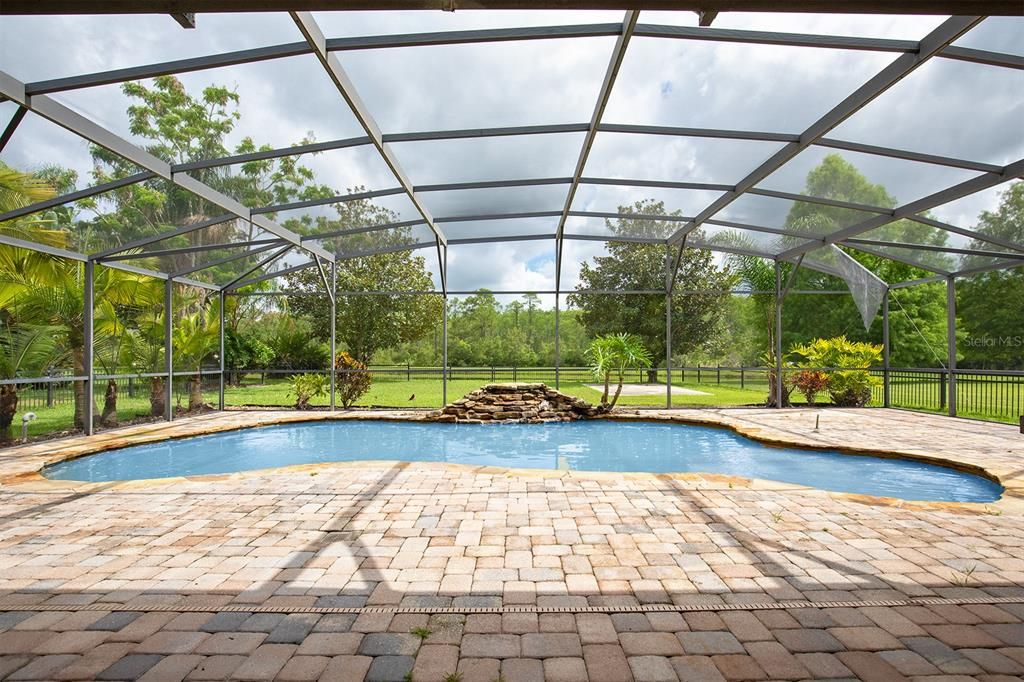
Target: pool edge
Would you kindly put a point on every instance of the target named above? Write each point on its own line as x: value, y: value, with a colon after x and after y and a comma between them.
x: 1012, y: 498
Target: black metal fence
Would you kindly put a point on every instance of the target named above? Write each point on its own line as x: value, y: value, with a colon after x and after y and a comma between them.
x: 994, y: 395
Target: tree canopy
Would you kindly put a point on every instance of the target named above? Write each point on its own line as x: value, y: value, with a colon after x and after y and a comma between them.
x: 696, y: 317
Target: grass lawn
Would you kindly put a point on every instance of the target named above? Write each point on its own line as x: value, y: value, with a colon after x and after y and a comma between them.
x: 426, y: 393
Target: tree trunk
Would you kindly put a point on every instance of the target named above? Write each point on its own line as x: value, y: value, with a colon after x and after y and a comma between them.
x: 618, y: 391
x: 78, y: 358
x: 604, y: 396
x: 8, y: 408
x: 195, y: 393
x: 157, y: 397
x: 652, y: 376
x: 773, y: 382
x: 109, y: 416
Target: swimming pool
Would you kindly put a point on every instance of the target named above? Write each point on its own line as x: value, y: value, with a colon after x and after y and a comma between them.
x: 597, y: 445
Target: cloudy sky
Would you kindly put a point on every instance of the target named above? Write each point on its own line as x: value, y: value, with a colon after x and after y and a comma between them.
x: 946, y: 107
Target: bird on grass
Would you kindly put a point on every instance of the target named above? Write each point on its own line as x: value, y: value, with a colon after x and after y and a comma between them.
x: 412, y: 397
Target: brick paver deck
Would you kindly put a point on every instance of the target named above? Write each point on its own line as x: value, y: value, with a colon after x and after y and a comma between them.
x: 391, y: 570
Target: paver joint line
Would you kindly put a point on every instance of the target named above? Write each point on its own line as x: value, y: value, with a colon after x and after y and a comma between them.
x: 525, y: 608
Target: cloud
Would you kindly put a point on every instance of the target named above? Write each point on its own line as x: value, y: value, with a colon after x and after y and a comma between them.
x: 952, y: 108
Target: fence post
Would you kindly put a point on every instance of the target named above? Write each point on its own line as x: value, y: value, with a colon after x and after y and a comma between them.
x: 942, y: 389
x: 698, y: 372
x: 718, y: 377
x: 493, y: 375
x: 408, y: 371
x: 49, y: 394
x: 743, y: 378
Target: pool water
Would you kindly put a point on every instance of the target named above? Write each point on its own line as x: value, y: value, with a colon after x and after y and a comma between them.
x: 583, y: 446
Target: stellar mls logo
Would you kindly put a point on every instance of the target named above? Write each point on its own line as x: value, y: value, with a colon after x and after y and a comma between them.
x: 987, y: 341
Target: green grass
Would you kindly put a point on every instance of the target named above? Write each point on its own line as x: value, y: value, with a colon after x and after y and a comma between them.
x: 418, y: 393
x: 398, y: 392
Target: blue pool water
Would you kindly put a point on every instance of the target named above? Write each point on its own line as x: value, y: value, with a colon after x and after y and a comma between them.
x: 583, y: 446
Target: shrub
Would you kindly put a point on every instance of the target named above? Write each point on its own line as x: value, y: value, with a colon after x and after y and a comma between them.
x: 810, y: 383
x: 294, y: 345
x: 850, y: 384
x: 305, y: 387
x: 353, y: 379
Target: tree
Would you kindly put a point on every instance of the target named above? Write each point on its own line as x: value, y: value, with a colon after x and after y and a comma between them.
x: 54, y: 296
x: 918, y: 318
x: 180, y: 128
x: 366, y: 324
x: 991, y: 304
x: 27, y: 350
x: 613, y: 354
x: 696, y: 317
x: 196, y: 337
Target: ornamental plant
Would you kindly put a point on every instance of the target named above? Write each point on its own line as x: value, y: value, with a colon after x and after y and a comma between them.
x: 810, y: 383
x: 305, y: 387
x: 613, y: 354
x: 353, y: 379
x: 847, y: 366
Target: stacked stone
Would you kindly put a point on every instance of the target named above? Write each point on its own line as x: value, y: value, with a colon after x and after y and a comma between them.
x: 521, y: 403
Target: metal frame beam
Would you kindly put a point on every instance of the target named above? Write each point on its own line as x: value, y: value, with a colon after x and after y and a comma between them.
x: 152, y: 239
x: 198, y: 248
x: 264, y: 155
x: 270, y: 275
x: 963, y: 189
x: 284, y: 51
x: 951, y: 342
x: 234, y: 284
x: 604, y: 95
x: 314, y: 36
x: 988, y: 268
x: 325, y: 201
x: 12, y: 126
x: 855, y: 241
x: 55, y: 112
x: 227, y: 259
x: 1007, y: 7
x: 902, y: 66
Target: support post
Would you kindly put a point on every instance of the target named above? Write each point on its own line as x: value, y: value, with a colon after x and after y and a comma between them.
x: 886, y: 391
x: 558, y: 344
x: 220, y: 389
x: 87, y: 360
x: 334, y: 332
x: 778, y: 336
x: 169, y: 349
x: 951, y: 341
x: 444, y: 337
x: 668, y: 326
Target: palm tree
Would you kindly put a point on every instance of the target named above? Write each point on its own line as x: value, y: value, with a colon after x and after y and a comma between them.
x: 614, y: 354
x: 17, y: 190
x: 759, y: 275
x: 27, y: 349
x: 54, y: 295
x: 144, y: 346
x: 195, y: 338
